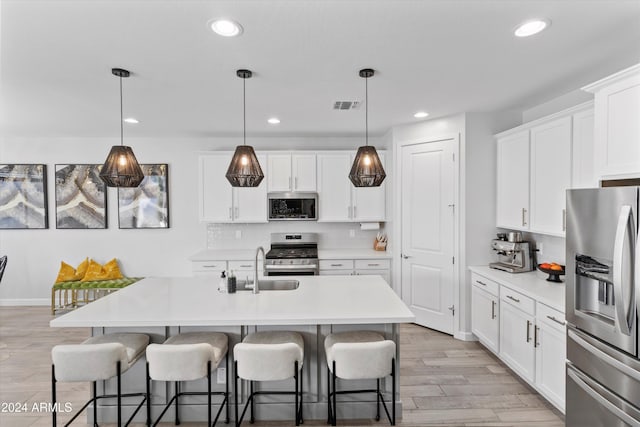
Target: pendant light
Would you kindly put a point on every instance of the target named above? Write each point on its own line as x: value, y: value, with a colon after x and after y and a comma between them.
x: 121, y: 169
x: 367, y: 170
x: 244, y: 170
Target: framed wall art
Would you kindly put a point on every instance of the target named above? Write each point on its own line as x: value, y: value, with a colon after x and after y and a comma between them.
x: 146, y: 206
x: 81, y: 197
x: 23, y: 196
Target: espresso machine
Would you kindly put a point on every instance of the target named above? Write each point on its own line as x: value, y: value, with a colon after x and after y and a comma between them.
x: 514, y: 255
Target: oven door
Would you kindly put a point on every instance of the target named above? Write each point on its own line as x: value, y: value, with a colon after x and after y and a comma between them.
x: 291, y: 270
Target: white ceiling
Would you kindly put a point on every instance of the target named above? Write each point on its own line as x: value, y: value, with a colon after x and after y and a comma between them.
x: 442, y: 56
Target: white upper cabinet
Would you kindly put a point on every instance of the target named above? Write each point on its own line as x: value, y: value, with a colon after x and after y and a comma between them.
x: 537, y: 163
x: 334, y: 187
x: 220, y: 202
x: 513, y: 181
x: 339, y: 200
x: 291, y: 172
x: 550, y: 175
x: 617, y: 128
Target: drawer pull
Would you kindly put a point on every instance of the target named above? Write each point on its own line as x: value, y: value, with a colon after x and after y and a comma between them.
x: 482, y: 283
x: 535, y: 337
x: 556, y: 320
x: 336, y: 265
x: 246, y: 265
x: 528, y: 332
x: 210, y: 266
x: 373, y: 265
x: 513, y: 299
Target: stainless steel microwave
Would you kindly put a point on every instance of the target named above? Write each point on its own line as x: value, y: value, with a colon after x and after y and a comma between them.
x: 293, y: 206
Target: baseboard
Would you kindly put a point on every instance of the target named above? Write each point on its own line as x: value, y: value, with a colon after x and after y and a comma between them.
x: 465, y: 336
x: 6, y: 302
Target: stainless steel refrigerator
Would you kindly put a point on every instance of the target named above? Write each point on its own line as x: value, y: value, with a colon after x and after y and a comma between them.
x: 603, y: 296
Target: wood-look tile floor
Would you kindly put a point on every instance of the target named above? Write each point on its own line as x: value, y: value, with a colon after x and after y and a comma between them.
x: 443, y: 381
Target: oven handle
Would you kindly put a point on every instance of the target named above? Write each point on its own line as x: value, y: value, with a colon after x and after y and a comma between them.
x: 610, y: 360
x: 291, y: 267
x: 621, y: 313
x: 619, y: 413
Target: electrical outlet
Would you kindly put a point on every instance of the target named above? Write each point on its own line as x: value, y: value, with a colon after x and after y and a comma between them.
x: 238, y: 234
x: 222, y: 375
x: 352, y: 233
x: 540, y: 248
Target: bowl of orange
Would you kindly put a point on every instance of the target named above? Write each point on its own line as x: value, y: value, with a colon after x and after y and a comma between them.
x: 553, y: 270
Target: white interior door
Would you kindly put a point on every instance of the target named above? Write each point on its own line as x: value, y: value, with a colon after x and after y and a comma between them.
x: 428, y: 185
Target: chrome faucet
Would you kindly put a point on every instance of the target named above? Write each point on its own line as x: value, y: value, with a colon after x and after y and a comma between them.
x: 256, y: 288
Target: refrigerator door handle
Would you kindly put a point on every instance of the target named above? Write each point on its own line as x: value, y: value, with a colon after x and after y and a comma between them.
x: 618, y: 249
x: 610, y: 360
x: 613, y: 409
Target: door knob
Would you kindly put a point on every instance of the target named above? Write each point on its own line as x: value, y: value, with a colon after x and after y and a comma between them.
x: 406, y: 256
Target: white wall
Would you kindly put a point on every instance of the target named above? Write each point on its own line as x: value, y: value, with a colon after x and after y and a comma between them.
x: 35, y: 255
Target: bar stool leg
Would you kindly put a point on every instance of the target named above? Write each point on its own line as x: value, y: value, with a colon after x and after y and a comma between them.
x: 53, y: 395
x: 393, y: 392
x: 236, y: 391
x: 209, y: 393
x: 295, y: 378
x: 335, y: 392
x: 251, y: 420
x: 378, y: 399
x: 95, y: 402
x: 328, y: 395
x: 177, y: 405
x: 301, y: 396
x: 148, y: 396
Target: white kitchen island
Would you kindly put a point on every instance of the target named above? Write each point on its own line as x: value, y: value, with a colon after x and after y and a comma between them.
x: 163, y: 307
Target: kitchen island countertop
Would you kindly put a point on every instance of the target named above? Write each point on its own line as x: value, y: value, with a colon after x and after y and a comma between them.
x: 195, y: 301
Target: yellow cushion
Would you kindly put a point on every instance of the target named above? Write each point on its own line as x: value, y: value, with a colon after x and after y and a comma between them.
x: 96, y: 271
x: 68, y: 273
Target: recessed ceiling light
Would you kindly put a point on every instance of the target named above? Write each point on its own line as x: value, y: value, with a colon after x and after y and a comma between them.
x: 225, y: 27
x: 531, y: 27
x: 420, y: 114
x: 273, y: 121
x: 132, y: 120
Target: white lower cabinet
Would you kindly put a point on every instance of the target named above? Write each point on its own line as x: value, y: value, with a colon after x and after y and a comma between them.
x: 485, y: 312
x: 516, y: 338
x: 362, y: 267
x: 527, y: 335
x: 551, y: 354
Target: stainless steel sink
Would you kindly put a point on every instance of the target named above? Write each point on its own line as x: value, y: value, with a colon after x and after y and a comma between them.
x: 270, y: 285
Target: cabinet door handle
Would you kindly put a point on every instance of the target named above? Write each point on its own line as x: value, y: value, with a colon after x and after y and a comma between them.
x: 482, y: 283
x: 246, y: 265
x: 237, y: 212
x: 556, y: 320
x: 564, y: 220
x: 296, y: 183
x: 373, y: 265
x: 336, y: 265
x: 349, y: 211
x: 513, y: 299
x: 524, y: 214
x: 289, y: 182
x: 535, y: 337
x: 354, y: 212
x: 528, y: 331
x: 230, y: 213
x: 493, y: 309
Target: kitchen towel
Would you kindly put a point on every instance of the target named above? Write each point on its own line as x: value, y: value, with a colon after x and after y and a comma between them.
x: 369, y: 226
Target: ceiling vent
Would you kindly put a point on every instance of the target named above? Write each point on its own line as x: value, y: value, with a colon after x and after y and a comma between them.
x: 346, y: 105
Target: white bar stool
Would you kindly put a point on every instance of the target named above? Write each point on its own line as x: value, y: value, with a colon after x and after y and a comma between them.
x: 358, y: 355
x: 186, y: 357
x: 269, y: 356
x: 97, y: 359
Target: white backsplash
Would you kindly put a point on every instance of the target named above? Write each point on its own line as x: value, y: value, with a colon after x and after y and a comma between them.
x: 249, y: 236
x: 553, y: 248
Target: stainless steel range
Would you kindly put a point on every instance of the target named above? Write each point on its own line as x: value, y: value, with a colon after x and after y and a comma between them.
x: 292, y: 254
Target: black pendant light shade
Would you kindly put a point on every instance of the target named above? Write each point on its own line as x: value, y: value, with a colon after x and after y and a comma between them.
x: 121, y: 169
x: 367, y: 170
x: 244, y: 170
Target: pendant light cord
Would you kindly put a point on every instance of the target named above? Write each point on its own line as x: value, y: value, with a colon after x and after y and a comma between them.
x: 244, y: 111
x: 366, y: 111
x: 121, y: 117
